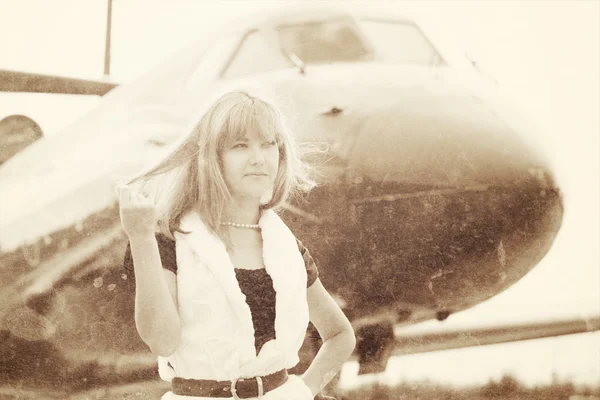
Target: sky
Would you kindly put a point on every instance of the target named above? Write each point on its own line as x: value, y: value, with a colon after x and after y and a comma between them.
x: 544, y: 54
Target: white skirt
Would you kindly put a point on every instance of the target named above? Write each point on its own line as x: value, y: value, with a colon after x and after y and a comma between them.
x: 293, y: 389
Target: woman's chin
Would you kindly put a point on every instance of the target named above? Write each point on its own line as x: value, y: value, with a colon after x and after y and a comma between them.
x: 261, y: 195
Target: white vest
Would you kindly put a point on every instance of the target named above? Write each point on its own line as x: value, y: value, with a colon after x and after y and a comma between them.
x: 217, y: 331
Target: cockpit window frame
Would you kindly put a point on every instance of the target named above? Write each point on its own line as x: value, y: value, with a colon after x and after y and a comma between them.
x: 235, y: 52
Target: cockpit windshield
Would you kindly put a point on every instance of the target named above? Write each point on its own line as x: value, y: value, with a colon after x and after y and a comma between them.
x: 400, y: 42
x: 309, y: 43
x: 324, y: 42
x: 331, y: 41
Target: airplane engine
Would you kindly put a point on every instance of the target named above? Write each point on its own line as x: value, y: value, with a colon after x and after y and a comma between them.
x: 16, y: 133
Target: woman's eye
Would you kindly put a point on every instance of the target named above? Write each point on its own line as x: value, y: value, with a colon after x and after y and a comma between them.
x: 238, y: 146
x: 270, y: 144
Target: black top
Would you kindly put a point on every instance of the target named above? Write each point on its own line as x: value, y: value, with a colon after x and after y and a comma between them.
x: 256, y: 285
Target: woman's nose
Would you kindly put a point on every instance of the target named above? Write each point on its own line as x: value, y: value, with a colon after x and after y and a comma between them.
x: 257, y: 157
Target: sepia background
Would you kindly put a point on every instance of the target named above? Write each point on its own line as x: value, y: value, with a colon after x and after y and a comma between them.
x: 544, y: 54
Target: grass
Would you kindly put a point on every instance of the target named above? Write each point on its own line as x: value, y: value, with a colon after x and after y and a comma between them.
x: 507, y: 388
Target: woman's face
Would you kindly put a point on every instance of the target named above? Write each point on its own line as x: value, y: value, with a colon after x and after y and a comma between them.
x: 250, y: 166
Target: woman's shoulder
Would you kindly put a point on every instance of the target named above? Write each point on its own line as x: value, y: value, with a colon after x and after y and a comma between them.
x: 311, y: 267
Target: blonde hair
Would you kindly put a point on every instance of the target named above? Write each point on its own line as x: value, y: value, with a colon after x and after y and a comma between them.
x: 190, y: 175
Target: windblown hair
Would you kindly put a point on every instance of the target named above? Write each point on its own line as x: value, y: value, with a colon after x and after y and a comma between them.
x: 191, y: 175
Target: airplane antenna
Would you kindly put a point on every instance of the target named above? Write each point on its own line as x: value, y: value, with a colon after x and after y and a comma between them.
x: 107, y: 46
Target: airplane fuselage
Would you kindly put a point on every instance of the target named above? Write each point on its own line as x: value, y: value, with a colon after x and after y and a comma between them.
x: 428, y: 202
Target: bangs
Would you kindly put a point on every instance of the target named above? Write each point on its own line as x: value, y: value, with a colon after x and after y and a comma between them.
x: 251, y: 118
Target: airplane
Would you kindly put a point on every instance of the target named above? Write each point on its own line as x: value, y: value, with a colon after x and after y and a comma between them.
x: 431, y: 197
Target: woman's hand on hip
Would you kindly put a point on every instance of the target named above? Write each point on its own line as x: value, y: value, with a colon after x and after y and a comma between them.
x: 138, y: 213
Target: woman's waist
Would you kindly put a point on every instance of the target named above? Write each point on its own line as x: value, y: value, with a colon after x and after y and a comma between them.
x: 244, y: 387
x: 222, y: 363
x: 294, y: 388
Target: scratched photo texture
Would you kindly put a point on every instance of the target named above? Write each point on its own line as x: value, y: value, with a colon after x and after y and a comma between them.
x: 454, y: 146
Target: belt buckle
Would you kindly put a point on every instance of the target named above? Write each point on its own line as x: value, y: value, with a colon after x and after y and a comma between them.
x: 234, y: 389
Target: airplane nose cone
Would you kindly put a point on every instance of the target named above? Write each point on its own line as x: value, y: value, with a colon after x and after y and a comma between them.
x: 451, y: 193
x: 444, y: 142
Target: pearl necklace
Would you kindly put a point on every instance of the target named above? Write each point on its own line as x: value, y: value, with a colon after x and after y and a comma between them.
x: 236, y: 225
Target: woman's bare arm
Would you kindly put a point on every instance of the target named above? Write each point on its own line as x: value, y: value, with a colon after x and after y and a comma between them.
x: 156, y: 316
x: 337, y: 335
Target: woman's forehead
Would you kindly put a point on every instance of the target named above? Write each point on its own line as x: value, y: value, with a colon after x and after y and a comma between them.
x: 254, y: 135
x: 254, y: 132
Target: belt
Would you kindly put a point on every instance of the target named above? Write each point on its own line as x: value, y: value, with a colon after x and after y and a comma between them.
x: 237, y: 388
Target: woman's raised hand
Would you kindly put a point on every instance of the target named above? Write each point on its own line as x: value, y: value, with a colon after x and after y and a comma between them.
x: 138, y: 213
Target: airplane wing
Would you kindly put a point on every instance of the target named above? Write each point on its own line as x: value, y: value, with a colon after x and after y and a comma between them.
x: 373, y: 358
x: 16, y: 81
x: 412, y: 344
x: 140, y: 369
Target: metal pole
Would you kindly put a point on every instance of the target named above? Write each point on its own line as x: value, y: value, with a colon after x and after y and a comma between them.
x: 107, y: 46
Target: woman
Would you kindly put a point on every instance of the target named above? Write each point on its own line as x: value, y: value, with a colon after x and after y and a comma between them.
x: 224, y: 291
